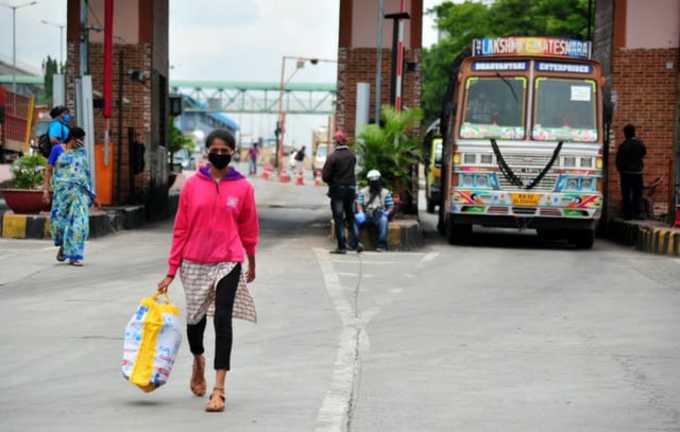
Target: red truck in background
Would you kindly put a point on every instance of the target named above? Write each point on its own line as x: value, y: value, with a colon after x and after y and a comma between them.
x: 16, y: 120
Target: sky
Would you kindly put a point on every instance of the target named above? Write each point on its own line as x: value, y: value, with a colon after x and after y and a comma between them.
x: 240, y: 40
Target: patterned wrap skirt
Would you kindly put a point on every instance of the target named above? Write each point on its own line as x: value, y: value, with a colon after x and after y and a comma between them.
x: 200, y: 282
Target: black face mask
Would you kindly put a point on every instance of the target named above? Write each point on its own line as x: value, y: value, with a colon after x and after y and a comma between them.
x: 374, y: 186
x: 219, y: 161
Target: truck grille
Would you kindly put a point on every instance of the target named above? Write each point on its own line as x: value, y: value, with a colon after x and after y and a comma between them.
x: 527, y: 168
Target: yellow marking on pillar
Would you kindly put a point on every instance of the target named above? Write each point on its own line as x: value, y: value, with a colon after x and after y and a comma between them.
x: 659, y: 234
x: 14, y: 226
x: 669, y: 246
x: 29, y: 124
x: 47, y: 233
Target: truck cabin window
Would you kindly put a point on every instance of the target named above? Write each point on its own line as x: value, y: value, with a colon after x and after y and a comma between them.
x: 565, y: 110
x: 494, y: 108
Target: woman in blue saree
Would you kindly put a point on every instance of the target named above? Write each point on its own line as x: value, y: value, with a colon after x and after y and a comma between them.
x: 72, y: 198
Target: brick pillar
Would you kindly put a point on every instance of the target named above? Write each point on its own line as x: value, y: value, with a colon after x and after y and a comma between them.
x: 357, y: 65
x: 646, y: 86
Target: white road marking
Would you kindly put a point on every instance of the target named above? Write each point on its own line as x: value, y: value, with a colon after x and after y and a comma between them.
x: 336, y: 408
x: 341, y: 261
x: 348, y: 274
x: 336, y: 405
x: 426, y: 259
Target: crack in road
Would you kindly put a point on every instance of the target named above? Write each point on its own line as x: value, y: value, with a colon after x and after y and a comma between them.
x: 338, y: 406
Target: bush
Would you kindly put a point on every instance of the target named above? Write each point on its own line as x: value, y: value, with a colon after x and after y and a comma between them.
x: 390, y: 149
x: 28, y: 172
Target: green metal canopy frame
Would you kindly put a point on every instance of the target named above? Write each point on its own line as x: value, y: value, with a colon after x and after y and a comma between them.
x: 241, y: 96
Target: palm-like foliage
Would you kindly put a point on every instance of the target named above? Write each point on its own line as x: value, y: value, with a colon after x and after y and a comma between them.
x: 390, y: 149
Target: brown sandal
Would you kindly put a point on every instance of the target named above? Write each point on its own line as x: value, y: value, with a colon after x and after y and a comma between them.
x: 198, y: 385
x: 217, y: 400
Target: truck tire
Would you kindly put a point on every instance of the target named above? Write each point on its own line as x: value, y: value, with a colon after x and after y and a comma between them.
x: 583, y: 239
x: 550, y: 234
x: 456, y: 233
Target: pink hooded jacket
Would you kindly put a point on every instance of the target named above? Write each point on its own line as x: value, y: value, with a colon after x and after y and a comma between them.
x: 215, y: 222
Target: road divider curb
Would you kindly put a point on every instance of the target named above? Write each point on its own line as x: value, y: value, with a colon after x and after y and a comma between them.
x: 19, y: 226
x: 646, y: 236
x: 403, y: 235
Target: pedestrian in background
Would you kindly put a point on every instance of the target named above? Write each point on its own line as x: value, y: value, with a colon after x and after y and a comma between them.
x: 300, y: 161
x: 629, y: 162
x: 338, y: 173
x: 57, y: 134
x: 216, y: 227
x: 376, y: 204
x: 73, y: 195
x: 253, y: 154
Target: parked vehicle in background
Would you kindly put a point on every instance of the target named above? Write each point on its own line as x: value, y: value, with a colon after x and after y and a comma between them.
x: 185, y: 160
x: 319, y: 148
x: 524, y: 140
x: 433, y: 150
x: 320, y: 156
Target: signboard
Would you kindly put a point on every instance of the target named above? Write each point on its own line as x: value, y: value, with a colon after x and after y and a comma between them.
x: 482, y: 66
x: 564, y: 67
x: 531, y: 46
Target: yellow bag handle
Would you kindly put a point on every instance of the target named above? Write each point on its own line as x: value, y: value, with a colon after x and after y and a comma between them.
x: 165, y: 295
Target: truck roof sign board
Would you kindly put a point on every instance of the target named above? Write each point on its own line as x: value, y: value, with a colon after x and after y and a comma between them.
x: 482, y: 66
x: 532, y: 46
x: 564, y: 67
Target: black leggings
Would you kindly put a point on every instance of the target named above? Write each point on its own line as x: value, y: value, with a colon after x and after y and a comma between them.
x: 224, y: 305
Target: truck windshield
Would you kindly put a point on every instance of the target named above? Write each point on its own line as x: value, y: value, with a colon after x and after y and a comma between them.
x: 565, y: 110
x: 494, y: 108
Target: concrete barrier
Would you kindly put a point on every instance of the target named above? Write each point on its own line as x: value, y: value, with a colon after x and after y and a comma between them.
x: 108, y: 221
x: 403, y: 235
x: 646, y: 236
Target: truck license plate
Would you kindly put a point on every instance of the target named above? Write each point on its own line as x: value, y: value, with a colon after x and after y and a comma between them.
x: 525, y: 199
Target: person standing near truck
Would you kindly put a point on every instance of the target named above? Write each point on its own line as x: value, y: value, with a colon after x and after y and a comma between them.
x: 338, y: 173
x: 629, y: 162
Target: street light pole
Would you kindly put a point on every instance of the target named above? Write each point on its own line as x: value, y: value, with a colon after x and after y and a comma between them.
x: 14, y: 42
x: 61, y: 38
x: 282, y: 116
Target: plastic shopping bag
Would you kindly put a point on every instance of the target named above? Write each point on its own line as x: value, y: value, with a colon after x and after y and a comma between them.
x: 151, y: 342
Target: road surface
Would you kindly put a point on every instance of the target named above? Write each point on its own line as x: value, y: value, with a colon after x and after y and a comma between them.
x: 507, y: 333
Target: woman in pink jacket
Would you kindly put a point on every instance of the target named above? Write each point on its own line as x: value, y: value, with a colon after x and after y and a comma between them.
x: 215, y: 228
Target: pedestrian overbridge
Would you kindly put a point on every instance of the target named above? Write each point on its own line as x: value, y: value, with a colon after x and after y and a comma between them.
x: 257, y: 97
x: 239, y: 96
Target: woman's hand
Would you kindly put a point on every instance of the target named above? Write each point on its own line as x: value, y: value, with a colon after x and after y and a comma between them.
x: 250, y: 274
x: 165, y: 284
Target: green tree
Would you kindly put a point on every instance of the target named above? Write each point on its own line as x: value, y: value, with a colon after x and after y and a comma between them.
x: 461, y: 23
x: 50, y: 67
x: 178, y: 141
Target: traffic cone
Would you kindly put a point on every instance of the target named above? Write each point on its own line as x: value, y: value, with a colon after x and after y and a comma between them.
x: 317, y: 178
x: 300, y: 179
x: 267, y: 171
x: 283, y: 176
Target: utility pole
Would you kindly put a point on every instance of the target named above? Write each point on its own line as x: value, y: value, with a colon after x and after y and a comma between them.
x: 281, y: 124
x: 61, y: 38
x: 14, y: 43
x: 378, y: 65
x: 397, y: 54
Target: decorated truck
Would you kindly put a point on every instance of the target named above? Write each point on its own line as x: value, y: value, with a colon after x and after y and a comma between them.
x: 523, y: 140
